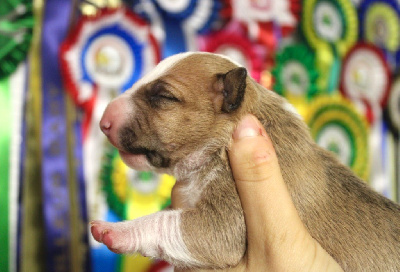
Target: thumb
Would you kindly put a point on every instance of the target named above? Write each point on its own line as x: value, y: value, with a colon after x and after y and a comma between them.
x: 274, y: 228
x: 264, y: 196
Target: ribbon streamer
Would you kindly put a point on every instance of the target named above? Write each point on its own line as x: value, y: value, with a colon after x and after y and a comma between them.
x: 55, y: 164
x: 16, y: 24
x: 379, y: 179
x: 336, y: 125
x: 30, y: 236
x: 17, y: 85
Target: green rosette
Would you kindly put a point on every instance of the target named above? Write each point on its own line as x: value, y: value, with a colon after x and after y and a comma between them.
x: 336, y: 125
x: 16, y: 26
x: 382, y: 26
x: 330, y: 24
x: 295, y: 74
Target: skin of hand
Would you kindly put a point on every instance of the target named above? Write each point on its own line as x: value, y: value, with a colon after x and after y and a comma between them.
x: 277, y: 238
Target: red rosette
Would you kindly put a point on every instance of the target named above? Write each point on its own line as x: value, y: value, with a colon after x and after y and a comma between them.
x: 268, y: 21
x: 233, y: 42
x: 365, y: 76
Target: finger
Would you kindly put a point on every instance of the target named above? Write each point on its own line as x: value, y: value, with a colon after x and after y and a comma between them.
x: 271, y: 218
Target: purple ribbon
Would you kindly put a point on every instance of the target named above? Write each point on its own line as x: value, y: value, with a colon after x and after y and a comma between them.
x: 78, y: 152
x: 55, y: 187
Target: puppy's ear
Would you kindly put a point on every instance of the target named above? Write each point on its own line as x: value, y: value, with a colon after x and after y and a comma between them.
x: 229, y: 89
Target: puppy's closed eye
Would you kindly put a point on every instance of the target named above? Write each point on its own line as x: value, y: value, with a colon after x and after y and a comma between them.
x: 159, y: 95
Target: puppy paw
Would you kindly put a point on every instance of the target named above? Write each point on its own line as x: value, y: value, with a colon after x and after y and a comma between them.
x: 116, y: 236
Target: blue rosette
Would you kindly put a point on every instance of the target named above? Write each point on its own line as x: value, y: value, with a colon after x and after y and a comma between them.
x: 380, y: 25
x: 104, y: 55
x: 178, y: 22
x: 112, y: 49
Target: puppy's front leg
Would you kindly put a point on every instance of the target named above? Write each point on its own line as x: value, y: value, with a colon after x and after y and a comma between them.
x: 156, y: 235
x: 185, y: 238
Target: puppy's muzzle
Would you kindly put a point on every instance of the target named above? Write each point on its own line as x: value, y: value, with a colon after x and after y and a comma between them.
x: 113, y: 120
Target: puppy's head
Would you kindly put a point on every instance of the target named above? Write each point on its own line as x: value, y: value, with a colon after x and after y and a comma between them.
x: 188, y: 101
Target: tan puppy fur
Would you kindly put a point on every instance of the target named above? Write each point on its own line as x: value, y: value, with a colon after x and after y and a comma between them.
x: 179, y: 119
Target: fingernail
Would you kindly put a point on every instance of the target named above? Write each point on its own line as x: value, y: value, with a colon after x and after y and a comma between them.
x: 247, y: 127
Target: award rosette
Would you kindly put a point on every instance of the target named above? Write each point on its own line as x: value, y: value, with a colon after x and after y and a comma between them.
x: 366, y: 75
x: 393, y: 107
x: 112, y: 49
x: 233, y: 42
x: 337, y: 126
x: 331, y: 28
x: 267, y: 21
x: 380, y: 25
x: 178, y: 22
x: 16, y: 26
x: 330, y: 23
x: 295, y: 75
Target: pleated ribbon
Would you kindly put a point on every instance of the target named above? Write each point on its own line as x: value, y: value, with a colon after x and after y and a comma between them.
x: 56, y: 199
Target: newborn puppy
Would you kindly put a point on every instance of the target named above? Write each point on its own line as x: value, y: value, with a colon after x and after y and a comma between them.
x: 179, y: 120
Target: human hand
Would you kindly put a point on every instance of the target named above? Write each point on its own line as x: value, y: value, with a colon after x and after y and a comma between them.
x: 277, y: 238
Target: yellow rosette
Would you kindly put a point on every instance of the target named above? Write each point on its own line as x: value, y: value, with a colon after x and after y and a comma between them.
x: 336, y: 125
x: 330, y: 28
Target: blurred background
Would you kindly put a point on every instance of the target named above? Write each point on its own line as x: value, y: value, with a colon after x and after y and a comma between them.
x: 61, y: 62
